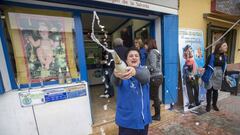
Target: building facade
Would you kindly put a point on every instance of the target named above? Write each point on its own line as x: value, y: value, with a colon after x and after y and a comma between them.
x: 41, y: 40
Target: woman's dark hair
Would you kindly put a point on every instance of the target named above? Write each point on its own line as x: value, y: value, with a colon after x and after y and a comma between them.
x: 132, y: 49
x: 151, y: 44
x: 218, y: 46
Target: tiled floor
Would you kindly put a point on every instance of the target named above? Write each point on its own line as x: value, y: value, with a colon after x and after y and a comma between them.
x: 103, y: 109
x: 103, y: 117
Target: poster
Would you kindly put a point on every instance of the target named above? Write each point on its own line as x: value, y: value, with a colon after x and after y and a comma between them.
x: 191, y: 54
x: 42, y: 46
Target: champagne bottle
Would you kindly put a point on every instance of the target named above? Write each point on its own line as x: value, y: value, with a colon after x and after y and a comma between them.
x: 68, y: 76
x: 61, y: 79
x: 119, y: 64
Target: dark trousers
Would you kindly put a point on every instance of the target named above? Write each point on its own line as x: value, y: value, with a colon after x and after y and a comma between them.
x: 154, y: 93
x: 129, y: 131
x: 192, y: 91
x: 212, y: 94
x: 110, y: 89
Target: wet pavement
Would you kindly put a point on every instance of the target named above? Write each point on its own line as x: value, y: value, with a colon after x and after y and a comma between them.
x: 224, y: 122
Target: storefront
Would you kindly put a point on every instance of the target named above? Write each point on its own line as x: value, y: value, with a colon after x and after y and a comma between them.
x: 43, y: 41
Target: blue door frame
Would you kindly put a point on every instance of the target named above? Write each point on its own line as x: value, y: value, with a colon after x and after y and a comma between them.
x: 1, y: 85
x: 170, y: 58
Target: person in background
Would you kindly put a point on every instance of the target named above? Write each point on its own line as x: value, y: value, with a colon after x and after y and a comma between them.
x: 153, y: 63
x: 133, y: 104
x: 143, y: 52
x: 218, y: 62
x: 108, y: 66
x: 120, y: 48
x: 126, y: 36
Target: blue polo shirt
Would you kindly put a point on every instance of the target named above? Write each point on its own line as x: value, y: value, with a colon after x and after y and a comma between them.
x: 133, y: 104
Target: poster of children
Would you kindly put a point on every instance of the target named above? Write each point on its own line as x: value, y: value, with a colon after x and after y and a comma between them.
x: 42, y: 45
x: 191, y: 54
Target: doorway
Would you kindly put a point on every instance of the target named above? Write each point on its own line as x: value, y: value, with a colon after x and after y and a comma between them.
x: 215, y: 32
x: 127, y: 28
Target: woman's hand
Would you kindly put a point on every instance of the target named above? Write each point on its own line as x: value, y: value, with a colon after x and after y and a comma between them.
x: 130, y: 72
x: 201, y: 70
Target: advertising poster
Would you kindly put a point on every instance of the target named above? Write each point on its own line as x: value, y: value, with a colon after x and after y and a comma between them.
x: 191, y: 54
x: 42, y: 46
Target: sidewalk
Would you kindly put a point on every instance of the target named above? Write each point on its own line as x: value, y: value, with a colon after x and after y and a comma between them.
x: 224, y: 122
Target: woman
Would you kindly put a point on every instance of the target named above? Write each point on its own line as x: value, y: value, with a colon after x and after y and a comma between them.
x: 143, y: 53
x: 133, y: 104
x: 213, y: 82
x: 154, y: 65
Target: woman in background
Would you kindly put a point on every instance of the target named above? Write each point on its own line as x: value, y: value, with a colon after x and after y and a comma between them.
x: 216, y: 61
x: 154, y: 66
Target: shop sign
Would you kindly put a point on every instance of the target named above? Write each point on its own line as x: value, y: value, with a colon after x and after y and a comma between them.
x: 55, y: 94
x: 28, y: 98
x: 142, y: 5
x: 76, y: 91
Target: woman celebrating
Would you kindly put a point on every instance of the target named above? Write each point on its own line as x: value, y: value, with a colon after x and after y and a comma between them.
x: 154, y: 65
x: 133, y: 104
x: 214, y: 73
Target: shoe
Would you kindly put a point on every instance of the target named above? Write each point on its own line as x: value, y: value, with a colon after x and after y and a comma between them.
x: 215, y: 108
x: 156, y: 117
x: 190, y: 106
x: 105, y: 96
x: 160, y: 102
x: 197, y: 104
x: 208, y: 108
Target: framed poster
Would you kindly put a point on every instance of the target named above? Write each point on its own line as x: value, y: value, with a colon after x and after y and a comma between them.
x: 42, y: 46
x: 191, y: 54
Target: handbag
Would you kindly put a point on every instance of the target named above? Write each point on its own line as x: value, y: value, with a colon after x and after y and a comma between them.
x: 208, y: 71
x: 157, y: 79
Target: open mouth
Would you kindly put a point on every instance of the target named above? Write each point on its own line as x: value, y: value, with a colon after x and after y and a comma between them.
x: 134, y: 62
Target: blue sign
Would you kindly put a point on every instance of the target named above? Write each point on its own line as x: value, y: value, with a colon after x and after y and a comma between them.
x: 55, y: 97
x: 78, y: 93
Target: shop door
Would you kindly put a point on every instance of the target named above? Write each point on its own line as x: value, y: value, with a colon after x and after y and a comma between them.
x: 214, y: 33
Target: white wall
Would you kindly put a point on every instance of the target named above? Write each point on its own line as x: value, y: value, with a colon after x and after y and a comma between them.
x: 66, y: 117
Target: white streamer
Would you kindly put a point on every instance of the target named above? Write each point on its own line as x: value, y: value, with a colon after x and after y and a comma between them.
x: 95, y: 16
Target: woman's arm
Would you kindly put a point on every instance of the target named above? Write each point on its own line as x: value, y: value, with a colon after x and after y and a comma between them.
x: 142, y: 75
x: 115, y: 80
x: 152, y: 61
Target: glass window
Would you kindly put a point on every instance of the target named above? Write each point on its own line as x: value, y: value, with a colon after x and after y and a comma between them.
x: 42, y: 43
